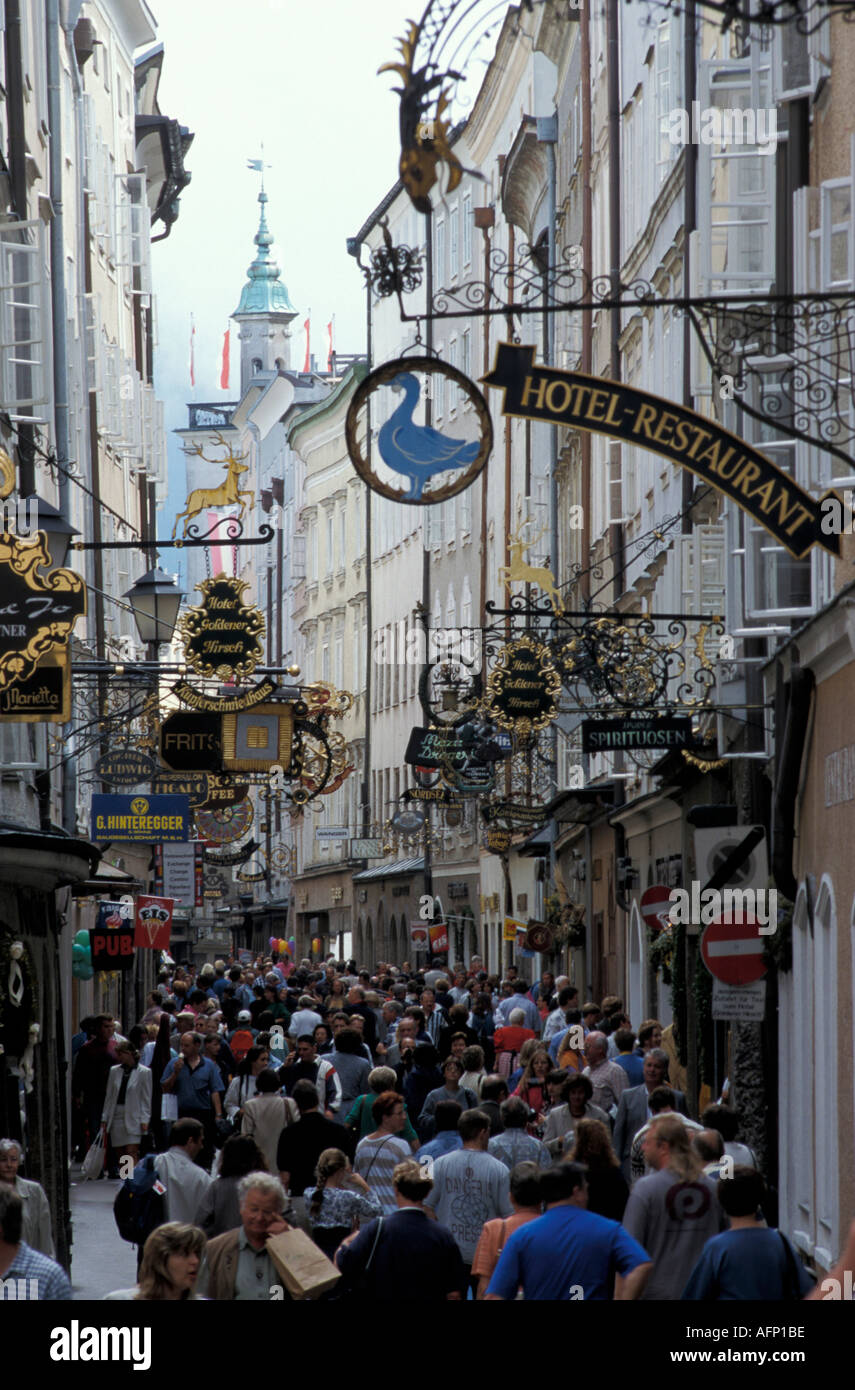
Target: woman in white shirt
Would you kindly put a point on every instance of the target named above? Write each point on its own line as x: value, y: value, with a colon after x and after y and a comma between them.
x: 127, y: 1104
x: 242, y: 1088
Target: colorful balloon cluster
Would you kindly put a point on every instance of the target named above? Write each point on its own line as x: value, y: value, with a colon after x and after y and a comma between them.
x: 81, y: 957
x: 285, y: 948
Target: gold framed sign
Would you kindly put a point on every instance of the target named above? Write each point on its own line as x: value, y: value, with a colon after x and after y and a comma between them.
x: 258, y: 739
x: 37, y: 612
x: 42, y: 698
x: 221, y: 635
x: 523, y: 687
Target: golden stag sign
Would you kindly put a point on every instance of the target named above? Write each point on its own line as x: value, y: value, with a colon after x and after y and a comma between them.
x: 519, y: 571
x: 228, y: 494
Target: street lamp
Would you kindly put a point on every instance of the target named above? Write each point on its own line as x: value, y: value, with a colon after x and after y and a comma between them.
x: 155, y: 599
x: 57, y: 530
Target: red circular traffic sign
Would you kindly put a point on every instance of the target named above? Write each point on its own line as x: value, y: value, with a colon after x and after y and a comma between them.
x: 655, y: 905
x: 732, y: 950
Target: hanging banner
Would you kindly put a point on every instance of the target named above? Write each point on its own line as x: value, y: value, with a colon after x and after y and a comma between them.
x: 179, y: 873
x: 438, y: 936
x: 125, y: 768
x: 230, y: 858
x: 153, y: 923
x: 722, y: 459
x: 113, y: 914
x: 419, y: 940
x: 511, y: 927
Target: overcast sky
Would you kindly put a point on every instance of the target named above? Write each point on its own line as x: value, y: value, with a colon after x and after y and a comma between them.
x: 301, y: 78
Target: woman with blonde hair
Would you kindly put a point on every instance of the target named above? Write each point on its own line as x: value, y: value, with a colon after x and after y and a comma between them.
x: 339, y: 1200
x: 170, y: 1265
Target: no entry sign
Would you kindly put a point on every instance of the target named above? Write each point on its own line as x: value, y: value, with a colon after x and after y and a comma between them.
x: 655, y: 905
x: 733, y: 950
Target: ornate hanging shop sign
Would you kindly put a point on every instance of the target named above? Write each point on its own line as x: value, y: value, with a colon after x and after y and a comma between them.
x: 226, y: 825
x: 606, y: 735
x: 230, y: 858
x: 514, y: 813
x: 221, y: 635
x: 430, y: 446
x: 224, y: 792
x: 194, y: 786
x: 498, y: 840
x: 37, y: 612
x: 42, y: 698
x: 523, y: 687
x: 227, y: 704
x: 259, y: 739
x: 722, y: 459
x: 192, y: 742
x: 125, y: 768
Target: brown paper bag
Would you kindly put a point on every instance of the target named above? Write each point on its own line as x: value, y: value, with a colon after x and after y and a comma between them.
x: 306, y: 1272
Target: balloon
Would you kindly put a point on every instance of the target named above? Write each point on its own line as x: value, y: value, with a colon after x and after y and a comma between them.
x: 82, y: 939
x: 79, y: 953
x: 82, y: 970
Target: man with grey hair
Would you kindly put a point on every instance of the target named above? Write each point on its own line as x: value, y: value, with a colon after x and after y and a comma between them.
x: 24, y: 1272
x: 634, y: 1108
x: 305, y: 1019
x: 37, y: 1229
x: 237, y: 1267
x: 607, y: 1078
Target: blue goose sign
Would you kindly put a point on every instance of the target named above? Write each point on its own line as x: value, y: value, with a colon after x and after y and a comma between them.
x: 435, y: 431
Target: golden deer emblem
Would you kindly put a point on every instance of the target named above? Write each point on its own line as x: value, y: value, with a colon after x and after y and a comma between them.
x: 228, y: 494
x: 519, y: 571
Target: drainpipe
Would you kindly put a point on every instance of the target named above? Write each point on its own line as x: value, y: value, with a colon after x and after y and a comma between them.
x: 787, y: 780
x: 690, y: 221
x: 613, y: 78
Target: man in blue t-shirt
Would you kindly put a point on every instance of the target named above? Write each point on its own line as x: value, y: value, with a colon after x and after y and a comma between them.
x: 198, y: 1086
x: 750, y: 1261
x: 569, y: 1253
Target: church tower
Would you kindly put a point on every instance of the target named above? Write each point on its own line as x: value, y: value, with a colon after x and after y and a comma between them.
x: 265, y: 311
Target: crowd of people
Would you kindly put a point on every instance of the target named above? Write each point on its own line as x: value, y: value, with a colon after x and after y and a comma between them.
x: 437, y: 1134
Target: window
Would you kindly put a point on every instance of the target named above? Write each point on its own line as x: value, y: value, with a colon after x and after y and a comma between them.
x: 466, y: 357
x: 313, y: 551
x: 325, y: 661
x: 454, y: 240
x: 736, y: 178
x: 342, y: 536
x: 338, y: 666
x: 22, y: 320
x: 665, y: 150
x: 466, y: 214
x: 439, y: 392
x: 439, y: 255
x: 330, y: 543
x: 453, y: 389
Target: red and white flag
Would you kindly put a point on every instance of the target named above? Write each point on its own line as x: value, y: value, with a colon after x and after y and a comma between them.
x: 224, y: 366
x: 192, y: 352
x: 307, y: 364
x: 331, y: 350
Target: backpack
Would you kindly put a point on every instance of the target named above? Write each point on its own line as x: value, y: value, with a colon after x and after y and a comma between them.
x: 139, y: 1206
x: 240, y: 1043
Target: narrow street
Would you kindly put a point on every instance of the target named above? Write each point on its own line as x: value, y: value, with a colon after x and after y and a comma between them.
x: 100, y: 1260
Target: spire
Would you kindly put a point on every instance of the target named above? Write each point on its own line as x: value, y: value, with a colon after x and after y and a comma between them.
x: 264, y: 292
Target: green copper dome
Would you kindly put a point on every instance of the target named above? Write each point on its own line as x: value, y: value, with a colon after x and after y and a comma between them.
x: 264, y: 292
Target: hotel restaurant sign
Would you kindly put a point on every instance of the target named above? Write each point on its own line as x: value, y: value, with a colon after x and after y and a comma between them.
x: 592, y: 403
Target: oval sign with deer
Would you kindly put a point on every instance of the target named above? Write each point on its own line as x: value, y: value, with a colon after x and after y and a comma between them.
x: 221, y: 636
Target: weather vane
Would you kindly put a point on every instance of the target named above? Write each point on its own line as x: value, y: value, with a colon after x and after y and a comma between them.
x: 259, y: 166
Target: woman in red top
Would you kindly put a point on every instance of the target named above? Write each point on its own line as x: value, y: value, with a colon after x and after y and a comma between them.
x: 508, y: 1040
x: 532, y: 1085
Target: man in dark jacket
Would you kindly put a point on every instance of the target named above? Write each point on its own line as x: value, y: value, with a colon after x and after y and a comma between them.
x: 301, y: 1145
